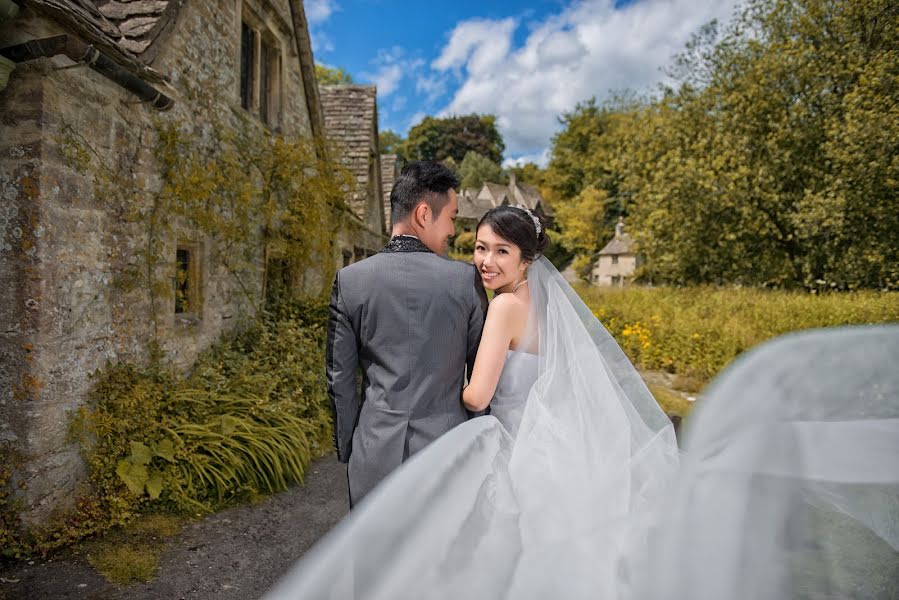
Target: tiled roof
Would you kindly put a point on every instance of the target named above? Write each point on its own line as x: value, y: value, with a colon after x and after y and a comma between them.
x: 140, y: 21
x: 619, y: 245
x: 472, y: 207
x: 350, y: 124
x: 127, y: 31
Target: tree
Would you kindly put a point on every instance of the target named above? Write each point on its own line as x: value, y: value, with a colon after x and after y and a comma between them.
x: 529, y: 173
x: 440, y: 138
x: 326, y: 75
x: 476, y: 169
x: 389, y: 141
x: 772, y: 163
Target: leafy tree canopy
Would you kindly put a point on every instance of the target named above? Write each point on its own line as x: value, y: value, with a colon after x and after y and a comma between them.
x: 773, y: 161
x: 389, y: 141
x: 440, y: 138
x: 477, y: 168
x: 326, y: 75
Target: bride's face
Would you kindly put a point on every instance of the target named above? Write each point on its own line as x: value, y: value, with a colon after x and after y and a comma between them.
x: 498, y: 260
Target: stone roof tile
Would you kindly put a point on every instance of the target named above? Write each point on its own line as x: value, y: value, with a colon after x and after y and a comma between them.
x: 350, y: 124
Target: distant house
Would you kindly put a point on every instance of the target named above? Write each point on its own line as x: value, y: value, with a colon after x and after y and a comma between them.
x: 351, y: 124
x: 473, y: 203
x: 617, y: 261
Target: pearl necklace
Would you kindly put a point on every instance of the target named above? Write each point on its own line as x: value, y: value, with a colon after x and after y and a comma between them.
x: 518, y: 285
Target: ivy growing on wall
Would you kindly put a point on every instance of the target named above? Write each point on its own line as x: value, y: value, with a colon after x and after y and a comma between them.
x: 253, y: 411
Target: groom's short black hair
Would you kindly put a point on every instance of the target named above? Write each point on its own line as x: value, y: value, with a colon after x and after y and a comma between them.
x: 421, y: 180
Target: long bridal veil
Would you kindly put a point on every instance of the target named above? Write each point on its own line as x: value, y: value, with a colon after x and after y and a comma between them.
x: 479, y: 514
x: 788, y: 477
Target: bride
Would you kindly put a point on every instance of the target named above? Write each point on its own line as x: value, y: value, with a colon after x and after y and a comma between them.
x: 571, y: 487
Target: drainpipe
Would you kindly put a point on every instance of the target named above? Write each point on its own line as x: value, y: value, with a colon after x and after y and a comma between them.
x: 8, y: 12
x: 86, y: 54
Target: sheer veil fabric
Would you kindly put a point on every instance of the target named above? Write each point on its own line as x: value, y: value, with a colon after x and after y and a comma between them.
x: 590, y: 499
x: 479, y: 514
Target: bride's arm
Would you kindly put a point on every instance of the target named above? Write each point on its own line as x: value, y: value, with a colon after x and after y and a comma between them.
x: 495, y: 341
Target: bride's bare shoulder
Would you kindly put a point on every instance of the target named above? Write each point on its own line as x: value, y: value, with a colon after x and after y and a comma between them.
x: 509, y: 305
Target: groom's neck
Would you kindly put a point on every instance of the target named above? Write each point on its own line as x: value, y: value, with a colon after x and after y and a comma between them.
x: 403, y: 229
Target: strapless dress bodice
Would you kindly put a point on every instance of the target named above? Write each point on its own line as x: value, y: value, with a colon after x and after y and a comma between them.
x: 515, y: 382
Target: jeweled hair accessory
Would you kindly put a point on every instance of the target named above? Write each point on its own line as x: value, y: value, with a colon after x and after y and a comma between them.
x: 533, y: 217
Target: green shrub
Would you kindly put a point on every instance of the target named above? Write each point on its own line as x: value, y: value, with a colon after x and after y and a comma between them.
x: 696, y: 331
x: 464, y: 243
x: 247, y: 420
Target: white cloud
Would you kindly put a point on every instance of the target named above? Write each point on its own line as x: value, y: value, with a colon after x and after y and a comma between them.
x: 318, y: 11
x: 478, y: 44
x: 391, y: 67
x: 432, y: 86
x: 541, y: 159
x: 586, y: 50
x: 387, y: 78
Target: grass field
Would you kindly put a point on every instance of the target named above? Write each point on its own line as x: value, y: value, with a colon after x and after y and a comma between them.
x: 694, y: 332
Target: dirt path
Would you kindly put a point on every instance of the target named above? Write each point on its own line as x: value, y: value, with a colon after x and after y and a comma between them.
x: 236, y: 554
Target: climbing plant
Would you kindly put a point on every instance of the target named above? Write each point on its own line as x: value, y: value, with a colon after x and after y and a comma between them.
x: 253, y: 411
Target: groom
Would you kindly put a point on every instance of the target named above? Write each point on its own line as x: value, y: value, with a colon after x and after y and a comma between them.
x: 411, y: 320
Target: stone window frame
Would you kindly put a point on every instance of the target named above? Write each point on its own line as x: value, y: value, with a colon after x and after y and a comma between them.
x: 193, y: 282
x: 263, y: 96
x: 285, y: 267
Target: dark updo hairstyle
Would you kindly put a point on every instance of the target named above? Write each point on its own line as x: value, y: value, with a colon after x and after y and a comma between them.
x: 515, y: 225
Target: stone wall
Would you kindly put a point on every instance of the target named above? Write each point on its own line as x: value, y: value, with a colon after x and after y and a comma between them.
x: 65, y: 248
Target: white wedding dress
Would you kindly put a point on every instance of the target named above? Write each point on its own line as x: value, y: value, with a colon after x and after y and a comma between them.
x: 574, y: 486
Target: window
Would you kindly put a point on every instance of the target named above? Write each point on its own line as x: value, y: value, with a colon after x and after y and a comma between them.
x: 614, y: 259
x: 277, y: 281
x: 186, y: 282
x: 260, y: 71
x: 616, y: 279
x: 247, y: 65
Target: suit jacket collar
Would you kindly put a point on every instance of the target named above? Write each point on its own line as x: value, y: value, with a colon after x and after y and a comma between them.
x: 405, y: 243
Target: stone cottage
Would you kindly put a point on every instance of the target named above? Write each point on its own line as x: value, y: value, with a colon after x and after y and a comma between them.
x: 473, y: 203
x: 101, y: 77
x: 617, y: 261
x: 351, y: 125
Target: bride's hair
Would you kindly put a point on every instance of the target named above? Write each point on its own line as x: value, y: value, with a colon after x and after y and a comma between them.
x: 518, y: 226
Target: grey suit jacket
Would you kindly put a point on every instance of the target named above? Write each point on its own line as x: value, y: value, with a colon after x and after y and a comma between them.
x: 412, y: 320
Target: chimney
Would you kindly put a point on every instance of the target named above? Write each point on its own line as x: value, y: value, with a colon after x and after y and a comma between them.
x: 619, y: 227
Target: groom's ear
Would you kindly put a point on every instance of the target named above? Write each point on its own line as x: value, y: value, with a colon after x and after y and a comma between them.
x: 421, y: 213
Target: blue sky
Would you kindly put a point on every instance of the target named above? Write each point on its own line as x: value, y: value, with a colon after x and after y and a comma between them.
x: 526, y: 62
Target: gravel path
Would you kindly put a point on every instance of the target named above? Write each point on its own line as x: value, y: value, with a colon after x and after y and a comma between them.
x: 236, y: 554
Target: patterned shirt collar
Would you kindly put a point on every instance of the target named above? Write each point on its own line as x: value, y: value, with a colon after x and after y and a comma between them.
x: 405, y: 243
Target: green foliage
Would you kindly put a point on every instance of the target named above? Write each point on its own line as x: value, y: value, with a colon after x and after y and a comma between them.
x: 556, y: 253
x: 132, y: 553
x: 772, y: 164
x: 529, y: 173
x: 326, y: 75
x: 254, y: 410
x: 477, y: 169
x: 454, y: 137
x: 389, y: 142
x: 250, y: 191
x: 246, y: 421
x: 696, y: 331
x: 125, y: 564
x: 464, y: 243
